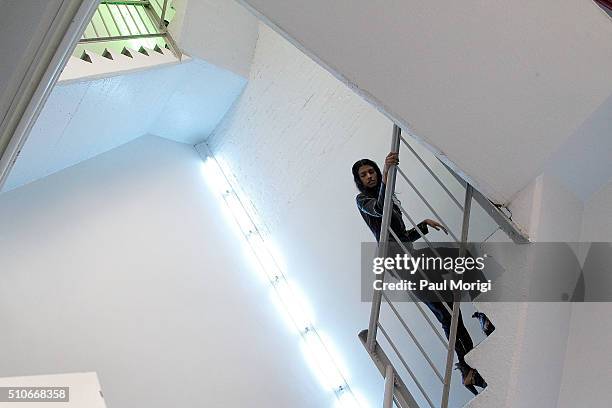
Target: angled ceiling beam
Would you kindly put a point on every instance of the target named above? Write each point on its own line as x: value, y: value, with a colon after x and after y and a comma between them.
x: 30, y: 83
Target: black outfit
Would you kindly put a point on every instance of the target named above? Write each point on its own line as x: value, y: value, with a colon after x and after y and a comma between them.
x: 371, y: 208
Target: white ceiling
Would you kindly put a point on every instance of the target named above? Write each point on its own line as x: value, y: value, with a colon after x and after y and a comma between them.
x: 494, y: 87
x: 80, y: 120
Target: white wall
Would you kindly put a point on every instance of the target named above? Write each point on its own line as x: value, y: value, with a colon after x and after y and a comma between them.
x: 290, y: 141
x: 561, y: 345
x: 588, y: 362
x: 597, y: 217
x: 468, y: 77
x: 549, y: 210
x: 525, y: 356
x: 582, y: 163
x: 545, y: 327
x: 183, y: 102
x: 125, y: 265
x: 219, y: 31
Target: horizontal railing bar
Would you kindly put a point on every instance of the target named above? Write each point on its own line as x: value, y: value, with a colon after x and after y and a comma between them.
x: 139, y: 10
x: 416, y: 381
x: 415, y: 226
x: 156, y: 5
x: 433, y: 174
x: 131, y: 11
x: 413, y: 337
x: 108, y: 33
x: 127, y: 2
x: 114, y: 20
x: 120, y: 37
x: 419, y: 269
x: 431, y: 324
x: 125, y: 20
x: 93, y: 25
x: 416, y: 190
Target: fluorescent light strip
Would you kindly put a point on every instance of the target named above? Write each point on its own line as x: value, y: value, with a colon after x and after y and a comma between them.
x: 317, y: 353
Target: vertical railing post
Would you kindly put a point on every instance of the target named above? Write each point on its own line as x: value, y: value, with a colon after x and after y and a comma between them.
x: 383, y: 239
x: 456, y: 299
x: 163, y: 16
x: 389, y: 385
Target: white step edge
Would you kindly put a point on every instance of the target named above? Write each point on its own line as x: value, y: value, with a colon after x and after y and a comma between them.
x: 101, y: 67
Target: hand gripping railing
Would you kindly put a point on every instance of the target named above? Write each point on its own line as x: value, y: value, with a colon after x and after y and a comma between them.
x: 395, y: 389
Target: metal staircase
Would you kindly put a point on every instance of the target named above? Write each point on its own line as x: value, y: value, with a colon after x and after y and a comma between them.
x: 124, y: 36
x: 396, y: 392
x: 132, y: 24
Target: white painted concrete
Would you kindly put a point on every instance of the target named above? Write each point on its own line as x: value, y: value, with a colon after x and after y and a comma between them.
x: 588, y: 362
x: 597, y: 217
x: 219, y: 31
x: 557, y: 351
x: 84, y: 389
x: 524, y: 358
x: 78, y: 69
x: 582, y: 163
x: 125, y: 265
x: 558, y: 212
x: 82, y: 119
x: 290, y: 141
x: 38, y: 37
x: 26, y: 24
x: 496, y: 87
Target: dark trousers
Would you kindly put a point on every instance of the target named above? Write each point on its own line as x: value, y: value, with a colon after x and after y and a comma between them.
x: 464, y: 342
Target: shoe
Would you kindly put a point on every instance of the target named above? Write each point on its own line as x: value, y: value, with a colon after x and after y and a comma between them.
x: 472, y: 389
x: 470, y: 377
x: 478, y: 380
x: 485, y: 324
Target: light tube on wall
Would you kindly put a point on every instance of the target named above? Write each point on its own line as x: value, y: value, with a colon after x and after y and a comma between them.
x: 349, y: 400
x: 263, y: 255
x: 293, y: 304
x: 317, y: 353
x: 242, y: 219
x: 328, y: 372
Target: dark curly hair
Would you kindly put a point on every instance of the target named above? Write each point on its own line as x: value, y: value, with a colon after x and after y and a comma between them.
x: 359, y: 184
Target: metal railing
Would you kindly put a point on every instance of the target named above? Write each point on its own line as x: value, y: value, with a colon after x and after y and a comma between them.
x: 131, y: 21
x: 395, y: 389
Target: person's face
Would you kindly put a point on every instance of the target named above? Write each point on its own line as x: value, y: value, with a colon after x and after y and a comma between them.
x: 368, y: 176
